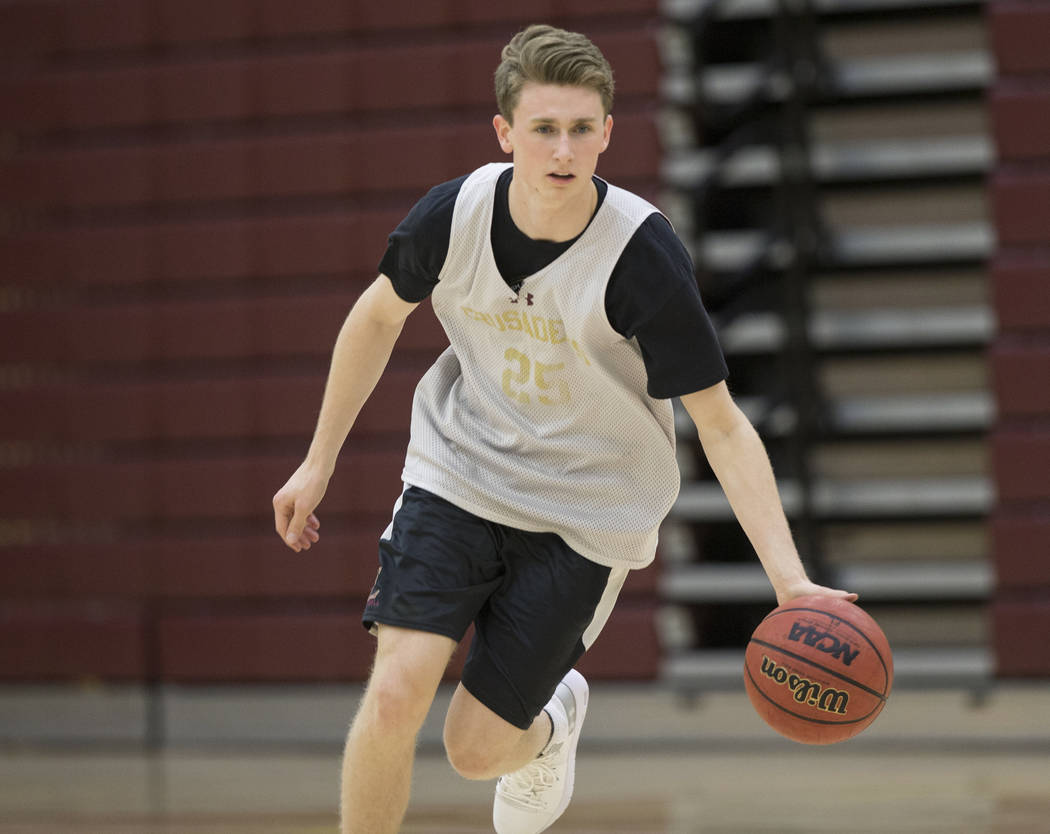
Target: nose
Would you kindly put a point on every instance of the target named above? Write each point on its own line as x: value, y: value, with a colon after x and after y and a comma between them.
x: 563, y: 147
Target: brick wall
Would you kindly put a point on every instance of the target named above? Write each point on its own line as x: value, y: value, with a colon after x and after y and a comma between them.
x: 192, y: 194
x: 1020, y: 110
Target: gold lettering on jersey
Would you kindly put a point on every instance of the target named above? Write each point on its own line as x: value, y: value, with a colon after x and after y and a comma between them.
x: 527, y: 325
x: 540, y: 328
x: 545, y: 379
x: 525, y: 379
x: 492, y: 321
x: 513, y: 378
x: 556, y: 389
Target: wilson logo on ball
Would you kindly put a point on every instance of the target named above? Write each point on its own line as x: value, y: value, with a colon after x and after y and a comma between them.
x: 823, y: 641
x: 806, y: 691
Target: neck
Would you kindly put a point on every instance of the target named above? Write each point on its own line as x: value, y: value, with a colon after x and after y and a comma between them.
x: 545, y: 219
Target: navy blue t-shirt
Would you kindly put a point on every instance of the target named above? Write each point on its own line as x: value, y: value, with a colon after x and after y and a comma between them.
x: 652, y: 293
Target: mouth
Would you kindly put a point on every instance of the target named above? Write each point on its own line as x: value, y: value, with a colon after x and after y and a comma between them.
x: 557, y: 177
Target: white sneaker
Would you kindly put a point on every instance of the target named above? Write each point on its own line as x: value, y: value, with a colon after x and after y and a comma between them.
x: 529, y: 800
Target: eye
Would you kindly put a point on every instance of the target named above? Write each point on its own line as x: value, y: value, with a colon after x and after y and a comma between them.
x: 544, y: 129
x: 583, y: 128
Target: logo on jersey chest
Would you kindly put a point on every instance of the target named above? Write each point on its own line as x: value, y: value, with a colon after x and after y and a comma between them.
x: 540, y: 328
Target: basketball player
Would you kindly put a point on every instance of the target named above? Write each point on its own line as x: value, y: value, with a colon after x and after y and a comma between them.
x: 541, y: 459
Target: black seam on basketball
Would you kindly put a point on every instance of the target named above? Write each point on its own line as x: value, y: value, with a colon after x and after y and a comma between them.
x: 874, y: 648
x: 820, y: 666
x: 782, y: 708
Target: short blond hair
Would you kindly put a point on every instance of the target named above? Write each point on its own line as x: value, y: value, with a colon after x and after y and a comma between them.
x: 548, y: 55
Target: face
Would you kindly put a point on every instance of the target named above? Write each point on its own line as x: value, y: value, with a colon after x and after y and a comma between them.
x: 556, y: 137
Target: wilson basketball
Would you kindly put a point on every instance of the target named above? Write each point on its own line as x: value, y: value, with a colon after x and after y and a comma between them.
x: 818, y: 670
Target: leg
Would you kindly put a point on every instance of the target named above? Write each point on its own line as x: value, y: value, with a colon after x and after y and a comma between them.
x: 481, y: 745
x: 438, y: 565
x: 528, y: 636
x: 380, y: 748
x: 530, y: 798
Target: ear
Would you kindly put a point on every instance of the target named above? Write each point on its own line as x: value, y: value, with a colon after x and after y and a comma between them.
x: 607, y: 132
x: 502, y: 127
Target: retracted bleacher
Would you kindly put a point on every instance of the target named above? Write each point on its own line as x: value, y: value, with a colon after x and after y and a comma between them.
x: 827, y: 160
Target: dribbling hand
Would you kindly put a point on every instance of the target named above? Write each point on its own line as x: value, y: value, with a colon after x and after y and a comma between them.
x: 807, y: 588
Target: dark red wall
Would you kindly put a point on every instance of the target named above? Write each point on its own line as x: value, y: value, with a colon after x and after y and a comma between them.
x: 1020, y: 110
x: 192, y: 194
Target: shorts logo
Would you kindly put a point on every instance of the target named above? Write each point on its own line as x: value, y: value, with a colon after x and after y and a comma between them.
x: 374, y: 596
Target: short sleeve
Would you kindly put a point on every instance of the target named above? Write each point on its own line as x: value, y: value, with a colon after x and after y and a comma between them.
x: 417, y: 248
x: 653, y: 296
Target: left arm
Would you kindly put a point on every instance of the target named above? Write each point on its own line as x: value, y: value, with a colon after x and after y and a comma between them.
x: 739, y: 460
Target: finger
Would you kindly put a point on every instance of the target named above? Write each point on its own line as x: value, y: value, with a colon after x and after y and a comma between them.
x: 309, y: 537
x: 281, y: 515
x: 313, y: 521
x: 296, y: 527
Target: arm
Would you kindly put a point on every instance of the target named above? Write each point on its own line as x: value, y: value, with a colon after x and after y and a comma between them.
x: 361, y: 353
x: 740, y: 463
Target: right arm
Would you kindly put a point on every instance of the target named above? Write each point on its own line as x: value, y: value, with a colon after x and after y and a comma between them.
x: 361, y: 353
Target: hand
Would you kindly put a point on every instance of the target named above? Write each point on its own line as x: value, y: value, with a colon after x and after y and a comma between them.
x: 806, y: 588
x: 293, y: 508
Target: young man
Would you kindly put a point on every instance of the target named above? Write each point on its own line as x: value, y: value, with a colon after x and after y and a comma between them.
x: 541, y: 459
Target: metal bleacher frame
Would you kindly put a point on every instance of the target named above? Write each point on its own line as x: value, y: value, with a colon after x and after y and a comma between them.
x: 791, y: 78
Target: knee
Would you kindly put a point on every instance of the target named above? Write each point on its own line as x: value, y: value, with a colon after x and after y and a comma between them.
x: 471, y: 761
x: 396, y: 704
x: 475, y: 757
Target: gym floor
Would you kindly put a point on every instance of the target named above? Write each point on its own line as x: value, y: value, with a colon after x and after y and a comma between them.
x: 935, y: 761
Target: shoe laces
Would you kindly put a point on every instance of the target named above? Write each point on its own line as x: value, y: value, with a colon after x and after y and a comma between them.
x: 528, y: 784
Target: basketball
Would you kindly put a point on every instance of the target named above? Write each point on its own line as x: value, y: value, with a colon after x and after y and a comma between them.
x: 818, y: 670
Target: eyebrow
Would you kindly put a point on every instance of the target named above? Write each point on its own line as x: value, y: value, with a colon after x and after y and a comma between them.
x: 549, y: 120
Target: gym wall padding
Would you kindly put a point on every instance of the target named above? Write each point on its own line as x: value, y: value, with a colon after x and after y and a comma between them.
x: 1020, y: 113
x: 192, y: 195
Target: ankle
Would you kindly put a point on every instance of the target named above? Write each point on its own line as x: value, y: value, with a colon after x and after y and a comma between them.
x: 559, y: 725
x: 550, y: 731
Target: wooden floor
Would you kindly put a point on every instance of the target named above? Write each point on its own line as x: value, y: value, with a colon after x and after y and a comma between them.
x: 937, y: 762
x: 649, y: 793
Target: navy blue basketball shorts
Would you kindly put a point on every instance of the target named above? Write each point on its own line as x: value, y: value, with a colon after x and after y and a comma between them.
x: 535, y: 603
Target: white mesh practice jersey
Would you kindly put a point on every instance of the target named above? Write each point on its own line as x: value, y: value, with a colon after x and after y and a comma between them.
x: 537, y: 416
